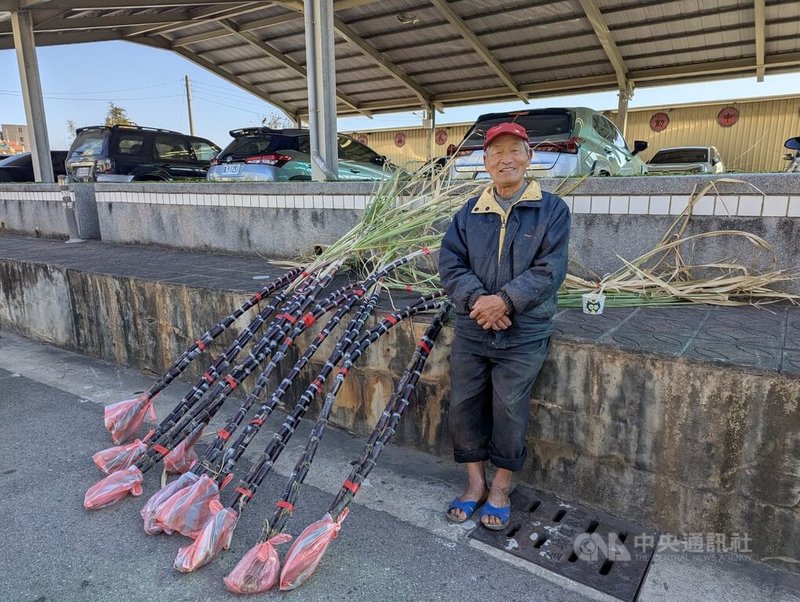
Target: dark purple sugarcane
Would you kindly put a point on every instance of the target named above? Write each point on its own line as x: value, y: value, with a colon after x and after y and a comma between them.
x: 193, y: 352
x: 249, y: 485
x: 287, y: 503
x: 204, y: 409
x: 210, y: 460
x: 237, y: 449
x: 351, y: 331
x: 385, y: 429
x: 218, y: 367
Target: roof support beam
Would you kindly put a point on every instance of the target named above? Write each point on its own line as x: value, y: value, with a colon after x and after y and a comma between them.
x: 200, y: 15
x: 367, y: 49
x: 87, y: 23
x: 761, y: 41
x: 715, y: 68
x: 479, y: 47
x: 262, y: 46
x: 205, y: 63
x: 32, y: 95
x: 603, y: 34
x: 245, y: 27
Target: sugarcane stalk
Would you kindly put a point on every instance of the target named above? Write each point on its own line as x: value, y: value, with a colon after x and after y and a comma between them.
x: 311, y: 545
x: 220, y: 521
x: 385, y: 428
x: 249, y: 485
x: 204, y: 410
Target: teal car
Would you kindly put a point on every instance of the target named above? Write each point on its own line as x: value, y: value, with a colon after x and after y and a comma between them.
x: 268, y: 155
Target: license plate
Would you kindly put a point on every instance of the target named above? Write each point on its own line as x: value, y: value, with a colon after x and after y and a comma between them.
x: 231, y: 169
x: 82, y: 172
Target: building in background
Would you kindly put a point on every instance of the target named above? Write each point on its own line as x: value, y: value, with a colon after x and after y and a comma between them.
x: 14, y: 138
x: 748, y: 133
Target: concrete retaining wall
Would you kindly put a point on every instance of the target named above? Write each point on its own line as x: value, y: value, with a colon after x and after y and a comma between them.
x: 685, y: 446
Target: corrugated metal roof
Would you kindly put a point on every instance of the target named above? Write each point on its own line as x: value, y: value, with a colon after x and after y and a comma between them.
x: 456, y: 52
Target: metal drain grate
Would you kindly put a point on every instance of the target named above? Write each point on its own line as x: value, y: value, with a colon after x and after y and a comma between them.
x: 604, y: 552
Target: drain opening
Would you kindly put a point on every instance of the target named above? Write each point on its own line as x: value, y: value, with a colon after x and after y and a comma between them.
x: 606, y: 567
x: 592, y: 526
x: 559, y: 515
x: 622, y: 537
x: 513, y: 531
x: 540, y: 542
x: 534, y: 506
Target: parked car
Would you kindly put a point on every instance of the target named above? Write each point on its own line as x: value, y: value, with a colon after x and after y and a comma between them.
x: 565, y: 142
x: 278, y: 155
x: 793, y: 144
x: 686, y: 159
x: 124, y: 153
x: 19, y: 168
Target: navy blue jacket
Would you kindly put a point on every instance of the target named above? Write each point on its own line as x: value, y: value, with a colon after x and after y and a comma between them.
x: 523, y: 254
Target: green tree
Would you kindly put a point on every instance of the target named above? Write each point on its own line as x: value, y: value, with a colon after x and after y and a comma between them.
x: 70, y: 130
x: 116, y: 115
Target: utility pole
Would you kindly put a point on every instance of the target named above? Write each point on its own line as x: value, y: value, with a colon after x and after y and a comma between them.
x: 189, y: 103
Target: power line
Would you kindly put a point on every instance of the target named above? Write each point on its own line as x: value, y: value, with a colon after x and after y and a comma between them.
x: 101, y: 91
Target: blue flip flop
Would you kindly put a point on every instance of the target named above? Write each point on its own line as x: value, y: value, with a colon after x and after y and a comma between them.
x: 468, y: 508
x: 503, y: 513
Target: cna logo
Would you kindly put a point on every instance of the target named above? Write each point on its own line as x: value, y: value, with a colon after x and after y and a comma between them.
x: 592, y: 546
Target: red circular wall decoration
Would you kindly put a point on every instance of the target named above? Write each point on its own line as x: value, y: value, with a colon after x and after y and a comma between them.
x: 400, y: 139
x: 362, y: 138
x: 728, y: 116
x: 659, y: 122
x: 441, y: 136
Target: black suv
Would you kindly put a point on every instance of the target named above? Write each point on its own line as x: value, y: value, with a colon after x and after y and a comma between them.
x: 123, y: 153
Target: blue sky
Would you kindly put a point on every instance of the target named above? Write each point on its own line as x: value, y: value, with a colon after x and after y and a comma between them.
x: 79, y: 81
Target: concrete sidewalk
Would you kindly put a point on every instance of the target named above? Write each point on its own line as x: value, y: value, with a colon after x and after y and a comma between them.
x: 396, y: 545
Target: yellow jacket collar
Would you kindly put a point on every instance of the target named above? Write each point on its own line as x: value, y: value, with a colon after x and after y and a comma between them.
x: 487, y: 203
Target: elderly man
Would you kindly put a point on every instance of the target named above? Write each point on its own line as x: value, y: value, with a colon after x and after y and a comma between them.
x: 502, y: 261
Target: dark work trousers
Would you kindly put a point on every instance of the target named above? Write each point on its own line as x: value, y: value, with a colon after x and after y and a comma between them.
x: 490, y: 397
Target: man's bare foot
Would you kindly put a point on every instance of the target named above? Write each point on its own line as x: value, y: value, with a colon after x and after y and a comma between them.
x: 471, y: 494
x: 499, y: 495
x: 475, y: 492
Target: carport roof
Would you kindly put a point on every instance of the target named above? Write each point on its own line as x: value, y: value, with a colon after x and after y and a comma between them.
x: 407, y: 54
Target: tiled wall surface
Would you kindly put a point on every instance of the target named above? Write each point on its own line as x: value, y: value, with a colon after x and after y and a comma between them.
x: 724, y: 205
x: 284, y: 201
x: 748, y: 205
x: 39, y: 195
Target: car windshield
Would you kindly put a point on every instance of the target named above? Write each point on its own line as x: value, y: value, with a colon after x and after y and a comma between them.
x: 681, y: 155
x: 251, y: 145
x: 351, y: 150
x: 89, y: 143
x: 14, y: 160
x: 540, y: 125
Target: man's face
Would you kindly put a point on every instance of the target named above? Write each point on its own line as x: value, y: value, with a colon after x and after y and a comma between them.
x: 506, y: 160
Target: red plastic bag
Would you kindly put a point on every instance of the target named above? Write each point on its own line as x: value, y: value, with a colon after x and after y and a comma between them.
x: 113, y: 488
x: 180, y: 459
x: 308, y: 549
x: 259, y: 569
x: 159, y: 497
x: 189, y: 509
x: 119, y: 457
x: 124, y: 418
x: 216, y: 536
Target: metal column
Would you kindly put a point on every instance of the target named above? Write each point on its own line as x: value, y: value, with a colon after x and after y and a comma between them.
x: 622, y: 109
x: 321, y: 76
x: 22, y: 29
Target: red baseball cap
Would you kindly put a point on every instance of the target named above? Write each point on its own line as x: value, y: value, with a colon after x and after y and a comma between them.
x: 501, y: 129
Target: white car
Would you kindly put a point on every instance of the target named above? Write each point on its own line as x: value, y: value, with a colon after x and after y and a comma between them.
x: 686, y: 159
